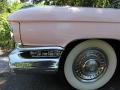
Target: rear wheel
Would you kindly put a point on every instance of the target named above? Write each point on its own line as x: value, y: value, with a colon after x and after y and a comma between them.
x: 90, y: 65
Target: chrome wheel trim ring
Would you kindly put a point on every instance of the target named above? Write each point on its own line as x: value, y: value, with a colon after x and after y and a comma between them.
x: 90, y: 65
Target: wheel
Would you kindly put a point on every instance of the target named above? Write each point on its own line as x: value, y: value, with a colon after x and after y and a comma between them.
x: 90, y: 65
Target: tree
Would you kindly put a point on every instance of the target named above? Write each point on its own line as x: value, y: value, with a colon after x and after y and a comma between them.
x: 83, y: 3
x: 3, y: 3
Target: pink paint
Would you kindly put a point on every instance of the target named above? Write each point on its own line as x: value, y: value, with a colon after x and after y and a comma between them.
x: 60, y: 25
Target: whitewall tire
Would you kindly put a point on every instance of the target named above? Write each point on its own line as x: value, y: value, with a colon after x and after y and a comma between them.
x: 90, y: 65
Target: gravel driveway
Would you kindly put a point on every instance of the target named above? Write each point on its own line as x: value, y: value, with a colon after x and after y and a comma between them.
x: 39, y: 81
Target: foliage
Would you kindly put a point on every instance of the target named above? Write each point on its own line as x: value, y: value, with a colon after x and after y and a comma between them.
x: 115, y: 4
x: 4, y: 26
x: 83, y: 3
x: 5, y: 30
x: 5, y: 41
x: 27, y: 6
x: 2, y: 5
x: 15, y: 6
x: 42, y: 3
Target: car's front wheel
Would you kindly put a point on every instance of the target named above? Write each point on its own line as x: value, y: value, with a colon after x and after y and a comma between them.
x: 90, y: 65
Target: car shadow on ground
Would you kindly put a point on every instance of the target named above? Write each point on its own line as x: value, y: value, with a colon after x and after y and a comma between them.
x: 45, y: 82
x: 33, y: 82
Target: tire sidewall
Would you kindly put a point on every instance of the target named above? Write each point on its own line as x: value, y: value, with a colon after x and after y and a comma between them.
x: 112, y: 60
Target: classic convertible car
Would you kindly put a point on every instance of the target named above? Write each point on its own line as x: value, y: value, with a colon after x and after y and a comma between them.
x: 81, y: 44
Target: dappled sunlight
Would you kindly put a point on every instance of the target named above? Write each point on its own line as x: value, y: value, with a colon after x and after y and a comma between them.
x: 100, y: 11
x: 75, y: 9
x: 4, y: 70
x: 4, y: 66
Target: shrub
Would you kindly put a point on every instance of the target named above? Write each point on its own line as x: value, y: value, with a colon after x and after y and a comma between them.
x: 5, y: 37
x: 5, y: 40
x: 15, y: 6
x: 27, y: 6
x: 115, y: 4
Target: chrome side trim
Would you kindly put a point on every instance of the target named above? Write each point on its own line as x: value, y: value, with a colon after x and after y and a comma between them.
x: 40, y: 48
x: 35, y: 64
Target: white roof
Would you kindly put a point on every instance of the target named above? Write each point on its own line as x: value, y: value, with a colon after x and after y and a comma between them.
x: 53, y: 13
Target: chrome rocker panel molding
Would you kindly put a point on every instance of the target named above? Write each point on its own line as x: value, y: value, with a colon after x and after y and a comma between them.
x: 18, y: 63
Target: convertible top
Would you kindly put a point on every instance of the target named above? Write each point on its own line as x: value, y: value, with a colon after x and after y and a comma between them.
x: 67, y: 13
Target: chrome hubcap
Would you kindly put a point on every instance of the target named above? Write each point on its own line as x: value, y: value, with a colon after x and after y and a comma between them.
x: 90, y: 65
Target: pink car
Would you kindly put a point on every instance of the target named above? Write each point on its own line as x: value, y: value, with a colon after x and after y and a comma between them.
x: 81, y: 44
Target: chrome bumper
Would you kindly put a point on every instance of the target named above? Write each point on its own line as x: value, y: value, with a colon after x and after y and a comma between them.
x: 18, y: 63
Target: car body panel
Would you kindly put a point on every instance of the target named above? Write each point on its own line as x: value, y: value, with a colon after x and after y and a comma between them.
x: 16, y: 31
x: 53, y: 13
x: 41, y: 26
x: 61, y: 33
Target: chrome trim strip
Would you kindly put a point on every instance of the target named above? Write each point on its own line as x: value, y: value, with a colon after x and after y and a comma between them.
x: 40, y: 48
x: 45, y: 64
